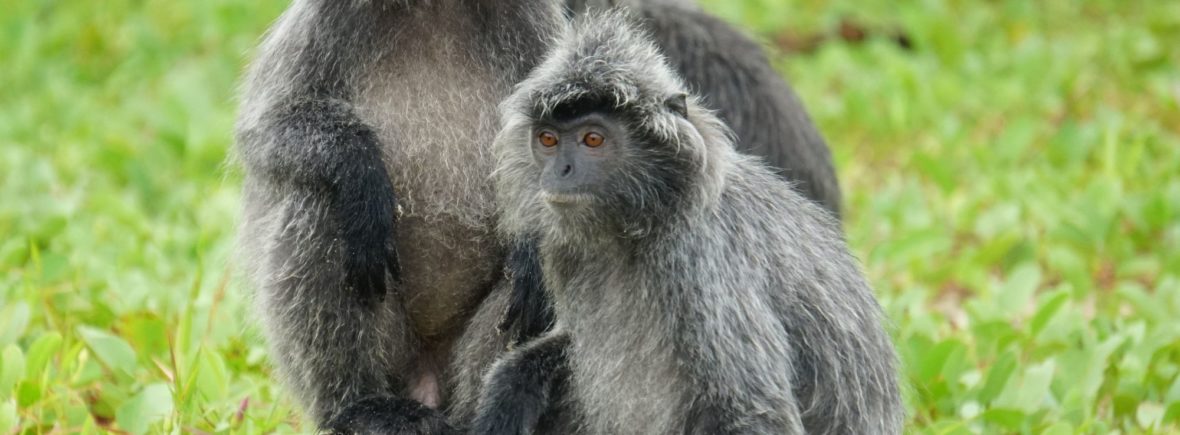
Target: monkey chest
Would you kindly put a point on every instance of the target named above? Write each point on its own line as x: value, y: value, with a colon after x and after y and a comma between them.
x: 435, y: 118
x: 628, y: 374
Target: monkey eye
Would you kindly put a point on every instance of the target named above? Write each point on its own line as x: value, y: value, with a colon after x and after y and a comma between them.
x: 593, y: 140
x: 547, y: 139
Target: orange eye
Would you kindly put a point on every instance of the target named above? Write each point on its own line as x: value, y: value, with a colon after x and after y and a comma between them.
x: 548, y: 139
x: 593, y: 139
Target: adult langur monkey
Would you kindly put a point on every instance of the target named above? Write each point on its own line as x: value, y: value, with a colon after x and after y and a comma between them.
x: 364, y: 131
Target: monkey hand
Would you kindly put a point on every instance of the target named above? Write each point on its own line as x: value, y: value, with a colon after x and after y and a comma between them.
x: 389, y: 415
x: 367, y: 217
x: 506, y: 419
x: 530, y: 312
x: 520, y: 387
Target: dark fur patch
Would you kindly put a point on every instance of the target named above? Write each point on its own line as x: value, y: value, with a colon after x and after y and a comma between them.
x: 352, y: 176
x: 571, y: 109
x: 530, y: 311
x: 734, y: 77
x: 388, y: 415
x: 581, y: 105
x: 518, y: 394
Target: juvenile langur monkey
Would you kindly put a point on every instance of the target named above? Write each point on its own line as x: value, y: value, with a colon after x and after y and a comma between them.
x: 694, y: 290
x: 729, y: 73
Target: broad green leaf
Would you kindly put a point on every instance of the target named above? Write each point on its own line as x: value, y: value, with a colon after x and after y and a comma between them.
x: 149, y: 335
x: 77, y: 415
x: 1087, y: 365
x: 1017, y: 291
x: 1172, y: 415
x: 997, y: 220
x: 114, y: 353
x: 1060, y: 428
x: 998, y: 376
x: 150, y: 406
x: 212, y: 376
x: 12, y: 369
x: 935, y: 359
x: 12, y: 251
x: 1149, y: 415
x: 937, y: 171
x: 1048, y: 307
x: 993, y: 337
x: 1010, y: 419
x: 13, y: 320
x: 1030, y: 389
x: 1145, y: 305
x: 1173, y: 394
x: 28, y: 392
x: 8, y: 417
x: 1070, y: 264
x: 41, y: 352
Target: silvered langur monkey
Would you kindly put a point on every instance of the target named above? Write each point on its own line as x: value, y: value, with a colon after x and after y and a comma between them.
x: 731, y: 74
x: 368, y: 218
x: 694, y: 290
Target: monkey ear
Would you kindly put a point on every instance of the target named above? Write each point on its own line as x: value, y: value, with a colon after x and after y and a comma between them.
x: 678, y: 103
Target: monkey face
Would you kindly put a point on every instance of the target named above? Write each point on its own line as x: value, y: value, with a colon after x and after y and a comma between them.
x: 578, y: 157
x: 602, y: 170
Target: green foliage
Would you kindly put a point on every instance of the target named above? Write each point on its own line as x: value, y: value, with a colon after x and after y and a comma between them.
x: 1011, y: 188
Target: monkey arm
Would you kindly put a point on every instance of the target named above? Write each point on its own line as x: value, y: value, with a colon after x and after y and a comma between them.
x: 530, y: 310
x: 520, y: 387
x: 325, y: 211
x: 319, y: 147
x: 298, y: 133
x: 319, y: 214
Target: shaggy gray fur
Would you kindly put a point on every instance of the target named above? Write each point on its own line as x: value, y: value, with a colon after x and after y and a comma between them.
x: 708, y: 299
x: 579, y: 6
x: 365, y: 132
x: 731, y: 74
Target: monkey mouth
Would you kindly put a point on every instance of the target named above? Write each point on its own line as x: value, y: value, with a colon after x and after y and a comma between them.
x: 566, y: 199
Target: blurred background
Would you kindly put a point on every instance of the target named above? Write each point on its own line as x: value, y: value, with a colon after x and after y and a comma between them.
x: 1010, y: 169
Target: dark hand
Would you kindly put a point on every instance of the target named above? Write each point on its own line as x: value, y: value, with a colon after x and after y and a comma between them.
x: 520, y: 388
x: 367, y: 212
x: 389, y: 415
x: 530, y: 312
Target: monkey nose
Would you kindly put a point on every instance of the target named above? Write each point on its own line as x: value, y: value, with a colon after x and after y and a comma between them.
x: 565, y: 170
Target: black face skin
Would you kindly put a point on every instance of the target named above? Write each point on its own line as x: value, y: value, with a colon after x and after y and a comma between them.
x: 579, y: 156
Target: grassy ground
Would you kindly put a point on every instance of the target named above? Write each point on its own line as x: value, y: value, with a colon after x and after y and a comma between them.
x: 1011, y: 182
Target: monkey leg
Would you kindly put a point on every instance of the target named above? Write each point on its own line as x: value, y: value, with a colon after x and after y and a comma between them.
x: 478, y: 347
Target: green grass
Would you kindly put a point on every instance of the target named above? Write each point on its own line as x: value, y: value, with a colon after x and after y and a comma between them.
x: 1012, y: 188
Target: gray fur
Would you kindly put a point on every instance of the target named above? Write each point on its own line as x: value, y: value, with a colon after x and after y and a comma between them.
x: 713, y: 299
x: 365, y: 131
x: 582, y: 6
x: 732, y: 75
